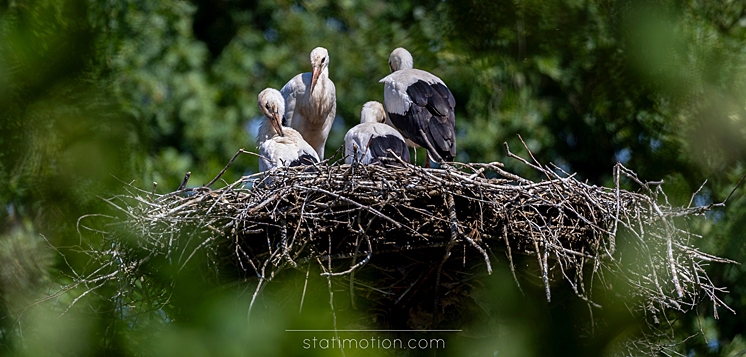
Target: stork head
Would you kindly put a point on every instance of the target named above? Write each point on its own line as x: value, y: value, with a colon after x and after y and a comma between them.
x: 272, y: 104
x: 319, y: 62
x: 372, y: 113
x: 400, y: 59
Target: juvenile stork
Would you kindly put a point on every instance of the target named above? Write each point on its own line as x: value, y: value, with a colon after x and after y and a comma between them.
x: 278, y: 145
x: 311, y: 101
x: 420, y: 106
x: 369, y: 141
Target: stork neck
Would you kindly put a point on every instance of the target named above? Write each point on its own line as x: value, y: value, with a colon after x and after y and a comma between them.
x: 404, y: 63
x: 320, y: 88
x: 323, y: 76
x: 266, y: 131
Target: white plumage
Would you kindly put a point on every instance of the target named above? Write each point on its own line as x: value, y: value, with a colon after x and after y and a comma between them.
x: 311, y: 101
x: 278, y: 145
x: 420, y: 106
x: 369, y: 141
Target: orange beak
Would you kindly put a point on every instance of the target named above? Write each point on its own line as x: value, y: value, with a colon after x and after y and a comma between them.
x: 277, y: 123
x: 315, y: 76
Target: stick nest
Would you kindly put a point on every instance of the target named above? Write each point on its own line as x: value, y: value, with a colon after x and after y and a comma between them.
x: 348, y: 218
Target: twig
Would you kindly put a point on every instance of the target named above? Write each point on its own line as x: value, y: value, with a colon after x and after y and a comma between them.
x: 239, y: 152
x: 738, y: 184
x: 184, y: 181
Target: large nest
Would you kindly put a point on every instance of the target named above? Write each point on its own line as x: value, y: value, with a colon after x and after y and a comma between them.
x: 349, y: 218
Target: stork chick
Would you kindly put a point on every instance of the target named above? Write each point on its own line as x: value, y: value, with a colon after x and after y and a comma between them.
x: 311, y: 101
x: 420, y: 106
x: 278, y: 145
x: 370, y: 141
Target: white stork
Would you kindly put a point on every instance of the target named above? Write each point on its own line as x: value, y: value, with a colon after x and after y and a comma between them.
x: 420, y: 106
x: 278, y: 145
x: 311, y: 101
x: 369, y: 141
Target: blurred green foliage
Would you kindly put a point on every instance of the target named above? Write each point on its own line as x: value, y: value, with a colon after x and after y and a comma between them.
x: 97, y: 93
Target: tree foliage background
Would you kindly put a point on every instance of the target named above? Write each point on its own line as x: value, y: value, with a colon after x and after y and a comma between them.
x: 97, y: 93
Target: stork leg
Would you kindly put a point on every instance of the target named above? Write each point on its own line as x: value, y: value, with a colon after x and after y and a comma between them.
x: 430, y: 149
x: 427, y: 160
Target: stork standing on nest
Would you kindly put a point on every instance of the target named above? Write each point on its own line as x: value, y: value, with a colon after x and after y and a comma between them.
x: 421, y: 107
x: 278, y: 145
x: 369, y: 142
x: 311, y: 101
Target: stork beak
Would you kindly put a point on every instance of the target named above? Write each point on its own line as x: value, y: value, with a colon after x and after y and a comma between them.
x: 277, y: 123
x: 315, y: 76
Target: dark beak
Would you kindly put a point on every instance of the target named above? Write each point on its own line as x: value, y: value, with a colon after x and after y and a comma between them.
x: 315, y: 76
x: 276, y: 122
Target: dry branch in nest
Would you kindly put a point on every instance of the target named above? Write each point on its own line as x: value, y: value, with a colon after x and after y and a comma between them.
x: 348, y: 218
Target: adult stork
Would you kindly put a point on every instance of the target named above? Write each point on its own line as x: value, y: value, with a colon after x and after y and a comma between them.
x: 420, y: 106
x: 311, y: 101
x: 369, y: 142
x: 278, y: 145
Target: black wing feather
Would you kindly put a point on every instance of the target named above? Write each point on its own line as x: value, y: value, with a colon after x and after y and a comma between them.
x: 419, y: 92
x: 378, y: 147
x: 304, y: 159
x: 431, y: 113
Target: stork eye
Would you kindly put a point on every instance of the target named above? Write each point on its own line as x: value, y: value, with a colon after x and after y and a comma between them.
x: 323, y: 59
x: 266, y: 105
